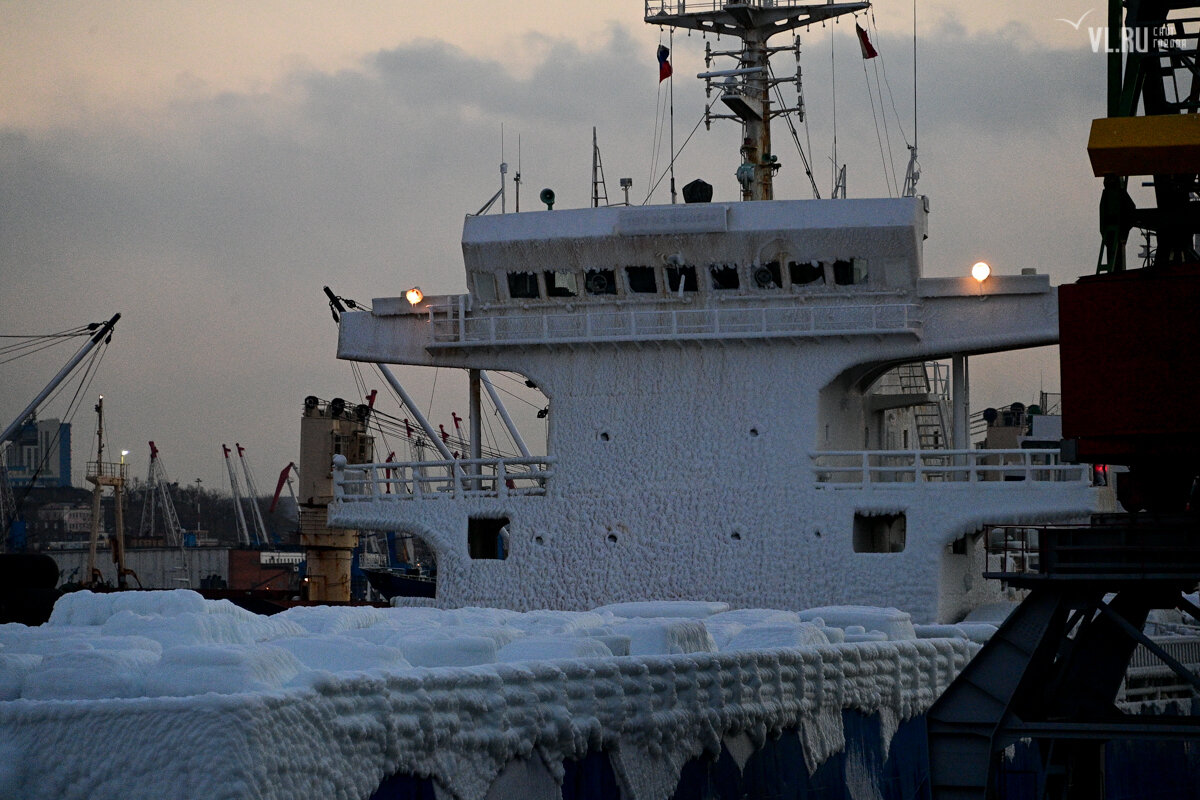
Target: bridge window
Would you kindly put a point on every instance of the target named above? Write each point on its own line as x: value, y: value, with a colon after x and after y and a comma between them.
x: 724, y: 276
x: 485, y: 286
x: 600, y: 281
x: 685, y: 274
x: 879, y: 533
x: 641, y: 280
x: 849, y: 272
x: 523, y: 285
x: 768, y: 276
x: 487, y: 537
x: 560, y: 283
x: 802, y: 273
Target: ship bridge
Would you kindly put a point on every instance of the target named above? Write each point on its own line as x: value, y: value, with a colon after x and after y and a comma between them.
x: 805, y: 270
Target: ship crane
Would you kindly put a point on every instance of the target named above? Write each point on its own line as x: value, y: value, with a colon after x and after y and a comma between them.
x: 258, y: 518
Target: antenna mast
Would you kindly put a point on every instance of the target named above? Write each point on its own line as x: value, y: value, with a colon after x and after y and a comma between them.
x: 745, y: 89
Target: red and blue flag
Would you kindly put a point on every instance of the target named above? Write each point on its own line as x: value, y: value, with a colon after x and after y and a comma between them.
x: 664, y: 66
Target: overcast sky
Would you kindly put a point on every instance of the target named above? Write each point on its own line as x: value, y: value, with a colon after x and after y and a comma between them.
x: 205, y: 168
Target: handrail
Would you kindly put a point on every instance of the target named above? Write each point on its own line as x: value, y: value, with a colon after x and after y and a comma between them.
x: 397, y: 481
x: 454, y: 325
x: 855, y: 468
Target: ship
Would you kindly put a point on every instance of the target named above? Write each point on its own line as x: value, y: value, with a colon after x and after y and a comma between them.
x: 728, y: 389
x: 763, y: 401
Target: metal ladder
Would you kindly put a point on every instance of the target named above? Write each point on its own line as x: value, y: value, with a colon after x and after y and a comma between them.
x: 930, y: 417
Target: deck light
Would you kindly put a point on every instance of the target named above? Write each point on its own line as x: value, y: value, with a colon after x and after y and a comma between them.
x: 981, y: 271
x: 123, y: 454
x: 414, y: 295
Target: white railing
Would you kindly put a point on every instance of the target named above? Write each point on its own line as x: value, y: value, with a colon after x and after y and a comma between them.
x: 673, y: 7
x: 455, y: 479
x: 854, y: 468
x: 454, y: 326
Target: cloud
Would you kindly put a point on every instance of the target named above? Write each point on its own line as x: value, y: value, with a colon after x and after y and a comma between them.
x: 212, y: 222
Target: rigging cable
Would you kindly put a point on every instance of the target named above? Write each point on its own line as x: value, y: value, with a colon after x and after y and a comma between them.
x: 796, y: 138
x: 879, y: 66
x: 681, y: 147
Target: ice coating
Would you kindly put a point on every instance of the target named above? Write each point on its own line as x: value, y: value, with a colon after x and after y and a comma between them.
x: 319, y: 702
x: 696, y: 440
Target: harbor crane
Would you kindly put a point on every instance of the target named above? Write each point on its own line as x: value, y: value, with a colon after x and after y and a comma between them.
x: 235, y: 489
x: 100, y: 332
x: 1051, y: 674
x: 158, y: 500
x: 258, y: 518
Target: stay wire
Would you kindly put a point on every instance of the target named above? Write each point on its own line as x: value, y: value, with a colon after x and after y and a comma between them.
x: 665, y: 172
x: 796, y: 138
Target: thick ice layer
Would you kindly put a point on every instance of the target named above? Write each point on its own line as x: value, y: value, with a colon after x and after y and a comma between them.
x: 165, y: 694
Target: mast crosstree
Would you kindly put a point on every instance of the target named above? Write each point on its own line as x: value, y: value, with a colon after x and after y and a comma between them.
x: 746, y: 90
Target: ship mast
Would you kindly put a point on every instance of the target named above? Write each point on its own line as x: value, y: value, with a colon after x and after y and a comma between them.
x: 746, y: 90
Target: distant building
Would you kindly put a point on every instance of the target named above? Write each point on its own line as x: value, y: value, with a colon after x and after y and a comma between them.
x: 39, y: 454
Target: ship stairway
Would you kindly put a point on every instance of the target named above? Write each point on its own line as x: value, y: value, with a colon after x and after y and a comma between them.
x: 930, y: 416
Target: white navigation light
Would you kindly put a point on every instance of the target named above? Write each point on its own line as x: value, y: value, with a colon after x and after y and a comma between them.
x: 981, y: 271
x: 414, y: 295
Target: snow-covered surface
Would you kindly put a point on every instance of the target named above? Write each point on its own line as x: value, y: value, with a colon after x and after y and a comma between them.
x: 691, y: 470
x: 165, y: 694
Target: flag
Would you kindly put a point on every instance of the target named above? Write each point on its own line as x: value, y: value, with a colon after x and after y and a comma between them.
x: 868, y: 50
x: 664, y: 66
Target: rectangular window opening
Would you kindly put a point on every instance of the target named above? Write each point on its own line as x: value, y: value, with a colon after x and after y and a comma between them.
x: 485, y: 286
x: 523, y: 286
x: 724, y: 276
x: 802, y: 273
x: 487, y: 538
x: 879, y: 533
x: 641, y: 280
x: 768, y: 276
x: 687, y: 274
x: 600, y: 281
x: 843, y: 272
x: 560, y: 283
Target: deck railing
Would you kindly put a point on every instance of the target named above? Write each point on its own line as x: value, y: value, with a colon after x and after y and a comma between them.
x: 848, y: 469
x: 432, y: 480
x: 674, y: 7
x: 454, y: 326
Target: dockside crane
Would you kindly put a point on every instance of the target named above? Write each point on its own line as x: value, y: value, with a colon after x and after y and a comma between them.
x: 258, y: 518
x: 158, y: 499
x: 1050, y: 676
x: 243, y: 531
x: 285, y: 477
x: 97, y: 333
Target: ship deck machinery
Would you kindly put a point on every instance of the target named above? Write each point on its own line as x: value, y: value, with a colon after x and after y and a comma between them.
x: 1050, y: 676
x: 714, y: 430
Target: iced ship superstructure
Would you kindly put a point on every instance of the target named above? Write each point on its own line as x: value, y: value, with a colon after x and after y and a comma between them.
x: 726, y: 387
x: 741, y: 404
